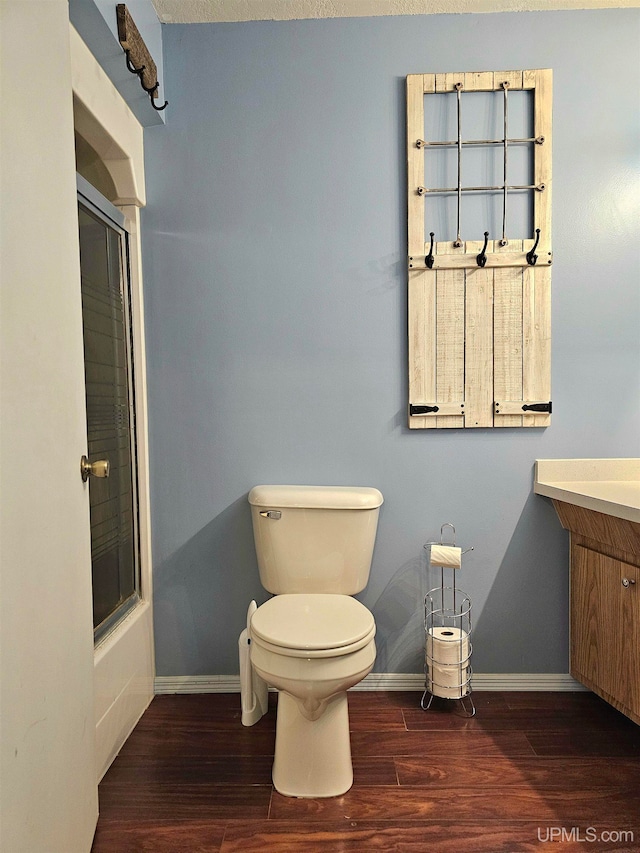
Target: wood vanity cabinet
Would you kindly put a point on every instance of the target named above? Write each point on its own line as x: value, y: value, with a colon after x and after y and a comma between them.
x: 605, y: 605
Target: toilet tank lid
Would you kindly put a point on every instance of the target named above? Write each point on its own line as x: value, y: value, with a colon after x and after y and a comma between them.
x: 316, y: 497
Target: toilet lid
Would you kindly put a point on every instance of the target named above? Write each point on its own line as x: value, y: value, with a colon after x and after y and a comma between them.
x: 317, y: 621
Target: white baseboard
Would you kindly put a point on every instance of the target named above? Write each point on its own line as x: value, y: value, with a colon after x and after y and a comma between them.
x: 382, y: 681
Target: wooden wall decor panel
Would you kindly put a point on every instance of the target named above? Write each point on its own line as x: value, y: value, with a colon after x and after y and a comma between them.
x: 479, y: 329
x: 507, y: 340
x: 422, y: 341
x: 536, y: 340
x: 478, y: 371
x: 449, y: 322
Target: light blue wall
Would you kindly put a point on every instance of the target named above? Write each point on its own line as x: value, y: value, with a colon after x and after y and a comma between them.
x: 274, y: 251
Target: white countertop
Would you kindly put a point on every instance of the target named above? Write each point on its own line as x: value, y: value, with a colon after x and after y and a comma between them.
x: 610, y: 486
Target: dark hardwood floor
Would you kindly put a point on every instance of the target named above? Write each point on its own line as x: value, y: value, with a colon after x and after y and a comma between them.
x: 531, y: 771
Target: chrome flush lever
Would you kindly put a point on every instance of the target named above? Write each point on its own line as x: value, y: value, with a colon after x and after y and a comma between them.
x: 271, y: 513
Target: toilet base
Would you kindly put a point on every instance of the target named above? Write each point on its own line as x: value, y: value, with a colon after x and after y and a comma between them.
x: 312, y: 757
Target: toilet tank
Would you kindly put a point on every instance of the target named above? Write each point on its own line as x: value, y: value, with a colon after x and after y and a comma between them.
x: 314, y: 539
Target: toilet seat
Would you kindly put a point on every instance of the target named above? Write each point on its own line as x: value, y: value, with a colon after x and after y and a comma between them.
x: 315, y: 625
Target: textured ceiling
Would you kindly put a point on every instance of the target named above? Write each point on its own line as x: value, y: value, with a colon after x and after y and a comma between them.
x: 206, y: 11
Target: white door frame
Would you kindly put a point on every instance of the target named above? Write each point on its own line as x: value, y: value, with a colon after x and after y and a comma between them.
x: 124, y: 659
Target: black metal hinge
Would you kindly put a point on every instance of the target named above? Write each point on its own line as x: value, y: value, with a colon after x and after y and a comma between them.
x: 442, y: 409
x: 514, y: 407
x: 537, y: 407
x: 422, y: 410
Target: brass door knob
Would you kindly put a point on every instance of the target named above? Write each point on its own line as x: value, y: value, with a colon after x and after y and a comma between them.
x: 100, y: 468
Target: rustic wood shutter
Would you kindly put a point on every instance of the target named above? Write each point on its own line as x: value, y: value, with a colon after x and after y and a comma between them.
x: 479, y: 335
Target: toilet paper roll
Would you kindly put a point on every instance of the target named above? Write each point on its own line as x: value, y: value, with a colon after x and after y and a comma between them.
x: 448, y: 682
x: 445, y: 555
x: 447, y: 646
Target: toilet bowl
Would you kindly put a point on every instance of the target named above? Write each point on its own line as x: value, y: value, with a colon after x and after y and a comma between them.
x: 313, y: 641
x: 312, y: 648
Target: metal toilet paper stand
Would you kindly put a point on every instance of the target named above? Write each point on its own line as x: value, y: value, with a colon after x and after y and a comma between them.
x: 448, y: 629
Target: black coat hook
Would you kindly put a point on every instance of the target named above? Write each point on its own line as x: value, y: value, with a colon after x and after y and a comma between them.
x: 149, y: 90
x: 531, y: 256
x: 430, y: 259
x: 153, y: 103
x: 481, y: 259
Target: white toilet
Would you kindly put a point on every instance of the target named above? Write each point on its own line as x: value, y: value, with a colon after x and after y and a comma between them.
x: 312, y: 641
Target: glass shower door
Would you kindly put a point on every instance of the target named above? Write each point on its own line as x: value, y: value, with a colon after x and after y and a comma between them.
x: 110, y: 414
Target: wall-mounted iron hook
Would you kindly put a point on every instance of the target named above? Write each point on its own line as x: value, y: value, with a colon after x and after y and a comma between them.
x: 531, y: 256
x: 150, y: 90
x: 430, y: 259
x: 481, y: 259
x: 158, y: 109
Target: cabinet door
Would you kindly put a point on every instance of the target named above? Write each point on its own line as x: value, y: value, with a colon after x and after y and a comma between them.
x: 594, y: 613
x: 605, y: 625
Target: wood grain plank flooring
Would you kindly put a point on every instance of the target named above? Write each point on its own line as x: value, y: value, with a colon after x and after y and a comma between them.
x: 404, y: 837
x: 192, y: 779
x: 187, y: 739
x: 462, y: 742
x: 541, y: 773
x: 468, y: 804
x: 511, y: 720
x: 186, y: 801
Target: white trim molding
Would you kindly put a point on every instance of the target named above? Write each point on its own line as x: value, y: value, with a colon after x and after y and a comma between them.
x: 547, y: 681
x: 103, y: 118
x: 124, y: 659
